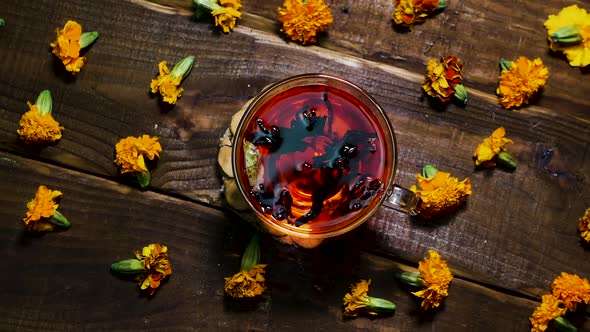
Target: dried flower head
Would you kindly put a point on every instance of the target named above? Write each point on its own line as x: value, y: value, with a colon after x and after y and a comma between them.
x: 154, y: 258
x: 167, y: 86
x: 488, y: 150
x: 408, y: 12
x: 38, y: 128
x: 584, y: 225
x: 132, y: 150
x: 357, y: 298
x: 569, y: 32
x: 436, y: 276
x: 41, y: 209
x: 246, y: 283
x: 443, y: 78
x: 70, y: 40
x: 550, y: 308
x: 571, y: 289
x: 441, y: 193
x: 520, y: 81
x: 303, y: 20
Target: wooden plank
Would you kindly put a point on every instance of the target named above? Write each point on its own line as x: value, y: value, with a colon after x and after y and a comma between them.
x: 108, y: 100
x: 61, y: 281
x: 478, y: 33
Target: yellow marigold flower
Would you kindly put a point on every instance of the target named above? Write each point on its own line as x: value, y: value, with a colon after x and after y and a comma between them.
x: 358, y: 300
x: 303, y: 20
x: 584, y: 225
x: 569, y: 32
x: 246, y: 283
x: 38, y: 129
x: 167, y: 86
x: 487, y: 151
x: 550, y: 308
x: 436, y: 276
x: 521, y: 81
x: 408, y: 12
x: 571, y: 289
x: 132, y: 150
x: 156, y: 266
x: 41, y: 208
x: 441, y: 194
x: 443, y: 78
x: 226, y: 16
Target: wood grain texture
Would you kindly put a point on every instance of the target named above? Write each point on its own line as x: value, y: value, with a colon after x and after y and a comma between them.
x: 517, y: 231
x: 61, y: 280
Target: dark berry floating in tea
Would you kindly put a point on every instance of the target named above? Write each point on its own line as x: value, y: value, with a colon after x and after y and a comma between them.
x: 321, y: 156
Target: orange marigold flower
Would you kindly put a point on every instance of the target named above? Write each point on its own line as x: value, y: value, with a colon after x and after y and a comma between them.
x: 487, y: 151
x: 226, y: 16
x: 521, y: 81
x: 303, y: 20
x: 436, y: 276
x: 571, y: 289
x: 156, y: 265
x: 67, y: 46
x: 441, y: 194
x: 584, y: 225
x: 132, y: 150
x: 38, y: 129
x: 357, y: 300
x: 550, y: 308
x: 246, y: 283
x: 166, y: 85
x: 408, y: 12
x: 443, y: 77
x: 42, y: 207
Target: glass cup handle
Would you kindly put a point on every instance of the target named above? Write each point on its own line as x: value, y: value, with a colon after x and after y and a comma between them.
x: 403, y: 200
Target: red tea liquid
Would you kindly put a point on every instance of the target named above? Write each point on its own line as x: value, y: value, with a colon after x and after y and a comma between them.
x: 319, y: 157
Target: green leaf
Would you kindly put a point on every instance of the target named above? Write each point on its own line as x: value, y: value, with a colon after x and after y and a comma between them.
x: 58, y: 219
x: 87, y: 38
x: 128, y: 266
x: 252, y: 254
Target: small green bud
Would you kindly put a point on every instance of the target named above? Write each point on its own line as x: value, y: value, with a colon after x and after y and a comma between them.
x: 128, y: 266
x: 203, y: 8
x: 87, y: 38
x: 563, y: 325
x: 378, y: 305
x: 505, y: 64
x: 460, y: 93
x: 58, y: 219
x: 44, y: 102
x: 442, y: 4
x: 251, y: 256
x: 505, y: 160
x: 567, y: 36
x: 2, y: 22
x: 144, y: 179
x: 429, y: 171
x: 183, y: 67
x: 410, y: 278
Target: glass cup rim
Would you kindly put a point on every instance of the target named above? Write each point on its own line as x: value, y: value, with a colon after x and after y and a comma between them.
x: 374, y: 106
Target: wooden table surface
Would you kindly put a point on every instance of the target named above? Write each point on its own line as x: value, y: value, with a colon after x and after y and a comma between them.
x: 515, y: 235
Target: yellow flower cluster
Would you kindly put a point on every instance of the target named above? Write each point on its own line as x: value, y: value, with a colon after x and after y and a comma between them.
x: 156, y: 266
x: 67, y: 46
x: 523, y: 80
x: 246, y: 283
x: 441, y: 194
x: 226, y: 16
x: 550, y: 308
x: 408, y: 12
x: 569, y: 32
x: 303, y: 20
x: 443, y: 79
x: 436, y: 276
x: 166, y: 85
x: 357, y: 298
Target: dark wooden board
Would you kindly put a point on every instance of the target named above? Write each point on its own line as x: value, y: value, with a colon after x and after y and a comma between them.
x: 517, y: 232
x: 61, y: 280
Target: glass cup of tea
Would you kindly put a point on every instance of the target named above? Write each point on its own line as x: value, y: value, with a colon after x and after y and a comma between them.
x: 315, y: 156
